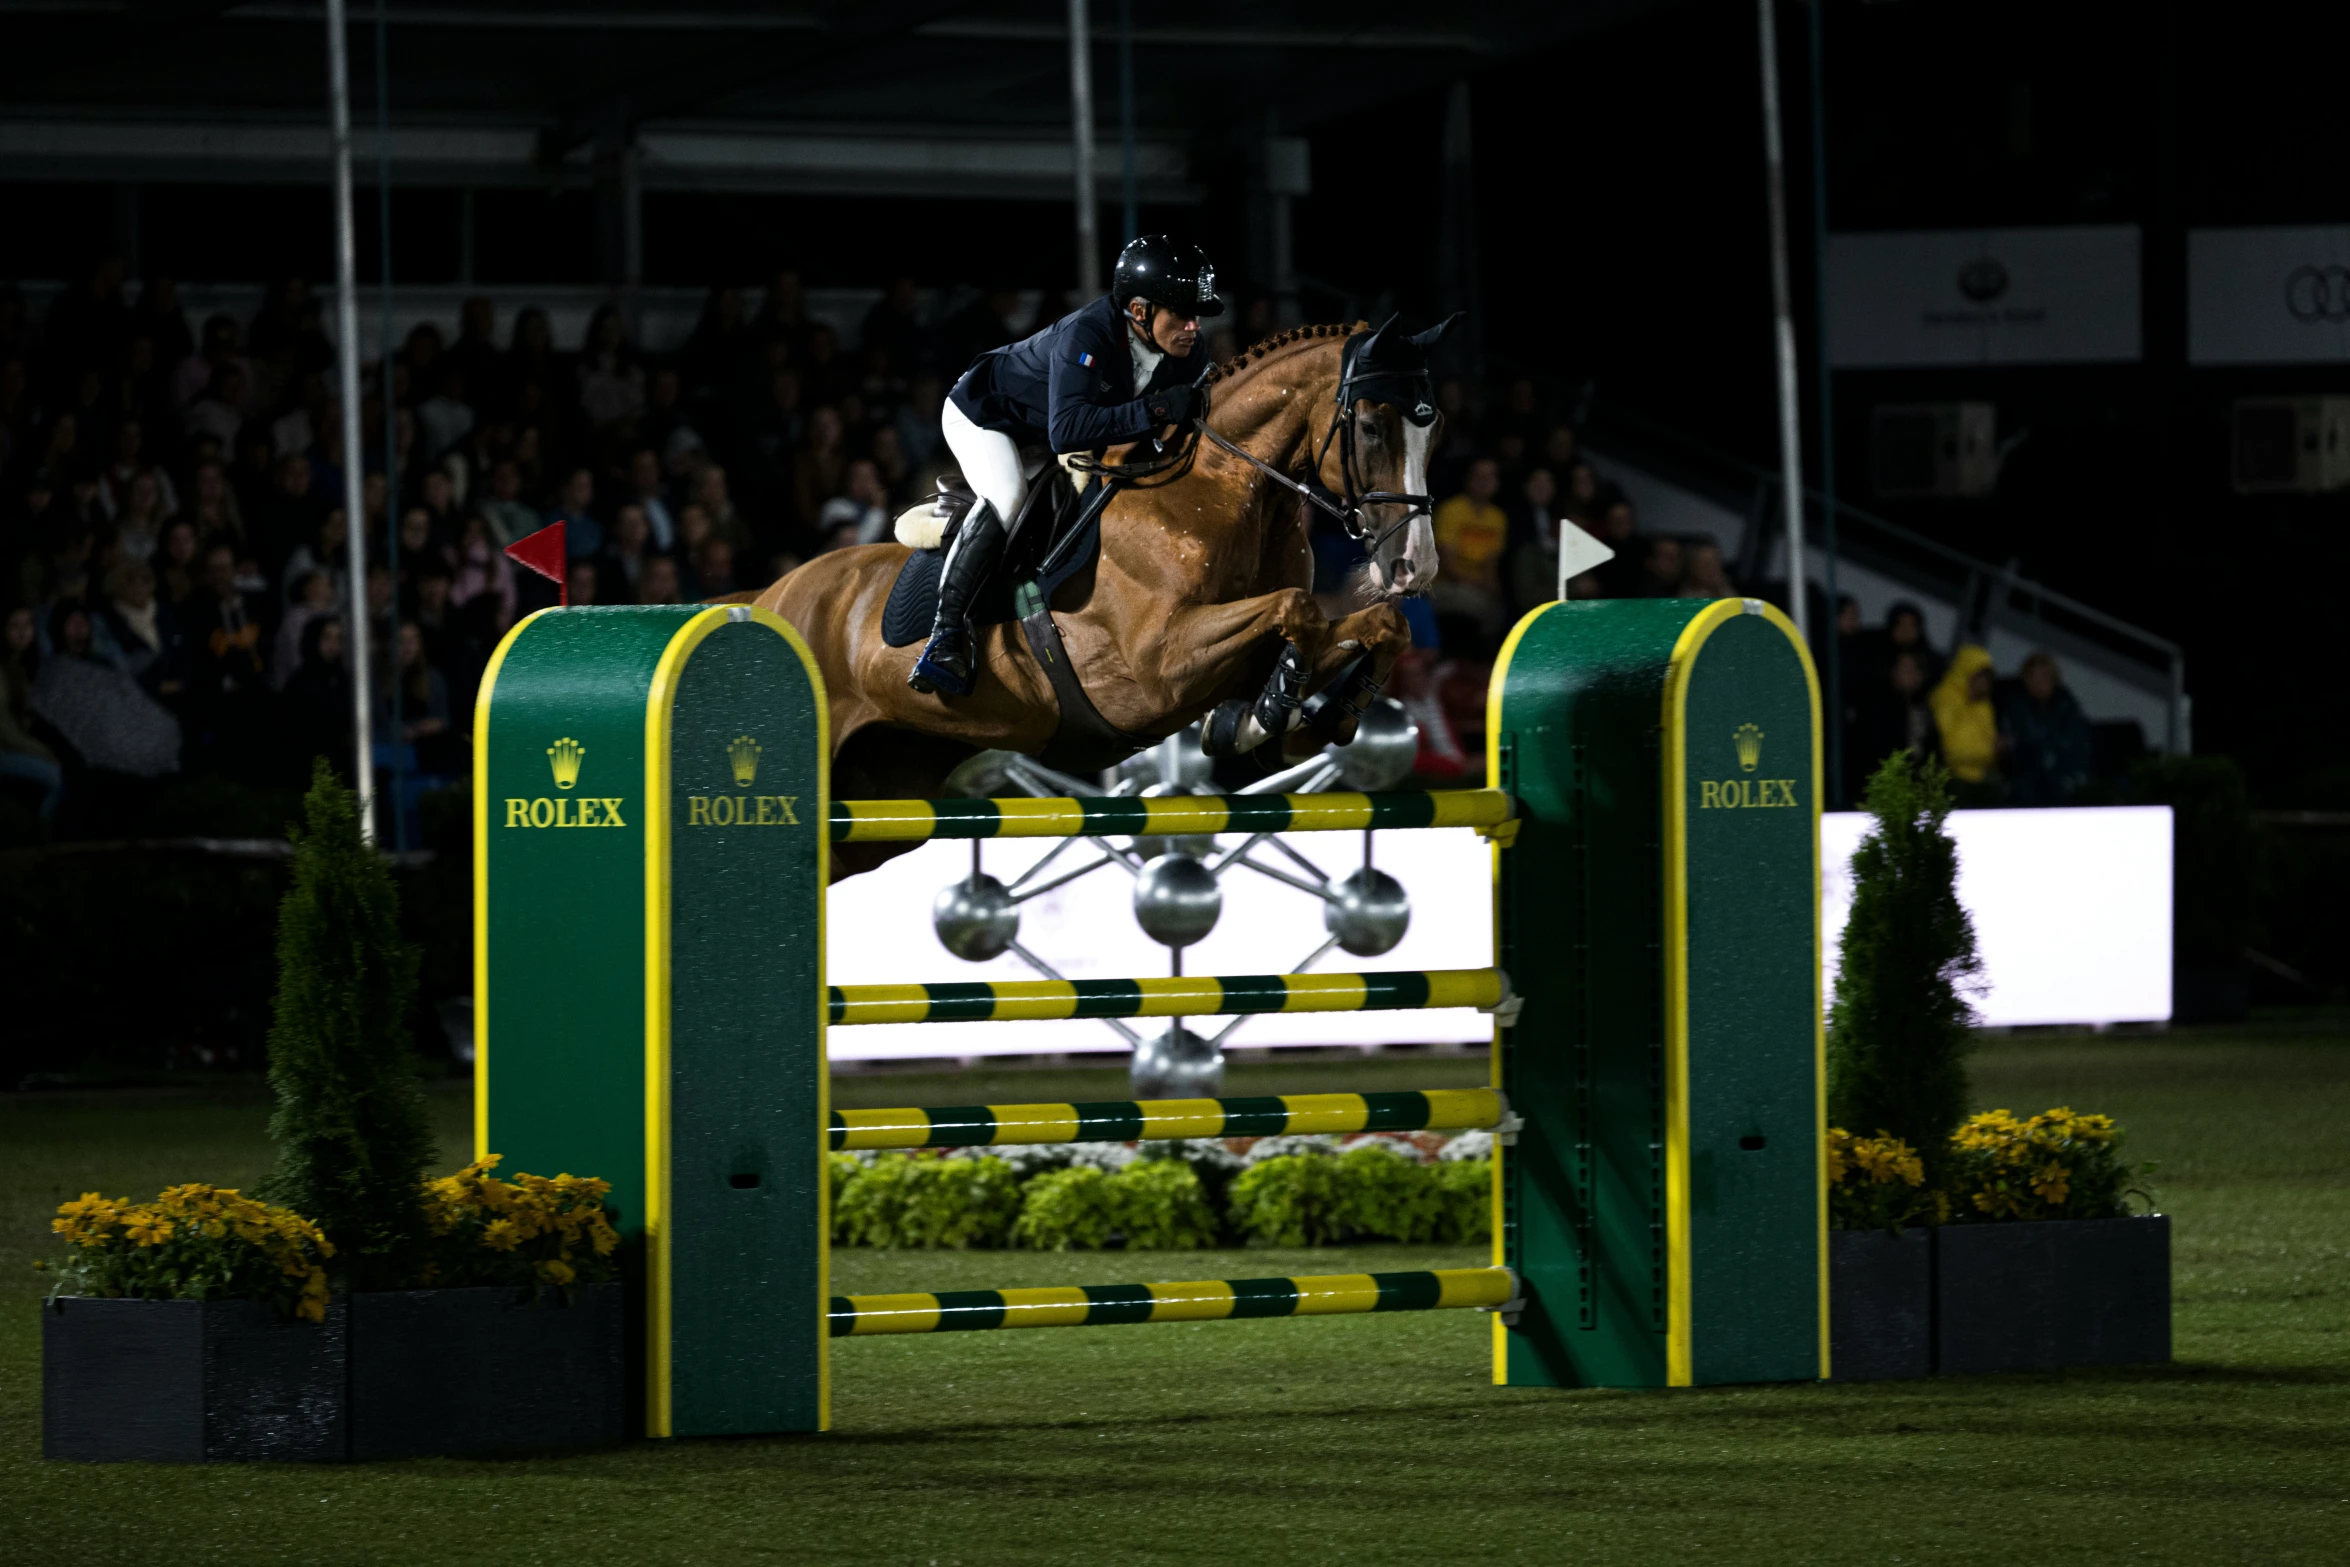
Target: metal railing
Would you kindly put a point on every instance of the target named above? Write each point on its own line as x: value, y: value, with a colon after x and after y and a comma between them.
x: 1984, y: 595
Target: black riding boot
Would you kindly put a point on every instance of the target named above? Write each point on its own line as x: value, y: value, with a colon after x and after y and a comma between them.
x: 949, y: 663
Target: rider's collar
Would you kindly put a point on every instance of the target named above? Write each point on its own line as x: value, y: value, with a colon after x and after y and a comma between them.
x: 1145, y: 354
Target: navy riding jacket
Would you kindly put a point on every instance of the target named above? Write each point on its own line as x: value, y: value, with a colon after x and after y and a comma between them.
x: 1071, y: 386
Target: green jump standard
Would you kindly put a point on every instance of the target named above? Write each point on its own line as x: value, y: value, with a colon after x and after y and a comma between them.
x: 652, y: 817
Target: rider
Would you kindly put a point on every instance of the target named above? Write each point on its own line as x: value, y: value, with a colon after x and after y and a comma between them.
x: 1110, y: 372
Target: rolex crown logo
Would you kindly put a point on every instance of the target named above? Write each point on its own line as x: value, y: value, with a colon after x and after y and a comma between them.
x: 564, y: 756
x: 1750, y: 741
x: 743, y: 752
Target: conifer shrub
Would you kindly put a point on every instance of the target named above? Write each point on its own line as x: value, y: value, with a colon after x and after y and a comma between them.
x: 1902, y: 1023
x: 353, y: 1141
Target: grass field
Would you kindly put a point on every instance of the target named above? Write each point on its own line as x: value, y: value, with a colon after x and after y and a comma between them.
x: 1371, y: 1436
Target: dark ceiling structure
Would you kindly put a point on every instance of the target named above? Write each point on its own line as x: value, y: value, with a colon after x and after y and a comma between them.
x: 883, y: 97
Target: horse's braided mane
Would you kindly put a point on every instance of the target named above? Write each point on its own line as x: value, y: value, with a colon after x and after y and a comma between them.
x: 1297, y: 334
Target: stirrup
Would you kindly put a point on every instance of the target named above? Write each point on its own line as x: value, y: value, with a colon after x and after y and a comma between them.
x: 936, y: 672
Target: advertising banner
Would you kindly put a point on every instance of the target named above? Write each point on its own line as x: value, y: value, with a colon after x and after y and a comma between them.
x: 1983, y: 297
x: 2268, y: 296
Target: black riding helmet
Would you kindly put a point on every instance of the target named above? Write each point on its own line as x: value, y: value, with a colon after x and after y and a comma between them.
x: 1179, y: 277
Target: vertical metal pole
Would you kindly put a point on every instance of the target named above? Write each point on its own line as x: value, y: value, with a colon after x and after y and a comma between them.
x: 1089, y: 256
x: 1783, y: 325
x: 1825, y: 377
x: 1133, y: 225
x: 338, y: 65
x: 383, y: 187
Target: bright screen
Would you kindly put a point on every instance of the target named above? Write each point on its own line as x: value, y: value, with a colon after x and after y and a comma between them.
x: 2072, y: 911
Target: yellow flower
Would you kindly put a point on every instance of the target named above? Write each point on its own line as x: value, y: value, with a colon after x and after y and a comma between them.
x: 145, y: 1227
x: 502, y: 1235
x: 556, y: 1272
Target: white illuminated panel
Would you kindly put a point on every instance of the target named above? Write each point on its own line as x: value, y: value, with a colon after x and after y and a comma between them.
x: 2072, y: 912
x: 878, y: 932
x: 2072, y: 909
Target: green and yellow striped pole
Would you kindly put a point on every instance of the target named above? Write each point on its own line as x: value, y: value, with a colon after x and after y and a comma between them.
x: 1206, y: 1300
x: 1135, y: 1120
x: 1202, y: 995
x: 914, y: 821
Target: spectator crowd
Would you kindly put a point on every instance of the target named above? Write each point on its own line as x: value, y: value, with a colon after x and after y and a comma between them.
x: 174, y: 546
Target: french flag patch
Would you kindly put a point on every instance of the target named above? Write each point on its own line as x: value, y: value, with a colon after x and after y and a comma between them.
x: 1085, y: 360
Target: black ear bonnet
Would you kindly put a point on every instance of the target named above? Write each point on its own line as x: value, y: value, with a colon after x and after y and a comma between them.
x: 1386, y: 366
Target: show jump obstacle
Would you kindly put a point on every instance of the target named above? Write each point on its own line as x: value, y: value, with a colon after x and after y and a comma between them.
x: 651, y: 822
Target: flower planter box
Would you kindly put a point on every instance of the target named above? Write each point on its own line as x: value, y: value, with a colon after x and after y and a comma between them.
x: 1880, y: 1304
x: 391, y: 1375
x: 479, y: 1370
x: 190, y: 1381
x: 2061, y: 1292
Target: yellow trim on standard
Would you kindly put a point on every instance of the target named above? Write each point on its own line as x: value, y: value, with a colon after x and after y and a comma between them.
x: 481, y: 885
x: 820, y: 704
x: 1819, y: 1141
x: 660, y: 714
x: 660, y: 711
x: 1680, y: 1353
x: 1494, y: 687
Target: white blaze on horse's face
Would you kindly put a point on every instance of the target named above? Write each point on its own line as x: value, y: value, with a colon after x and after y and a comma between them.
x: 1406, y: 562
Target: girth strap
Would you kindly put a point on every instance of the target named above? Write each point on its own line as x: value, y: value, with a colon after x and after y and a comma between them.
x: 1084, y: 741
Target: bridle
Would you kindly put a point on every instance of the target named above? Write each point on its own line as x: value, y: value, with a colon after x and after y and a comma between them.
x: 1346, y: 506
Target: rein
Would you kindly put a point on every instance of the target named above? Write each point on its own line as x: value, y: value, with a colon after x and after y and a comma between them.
x: 1347, y: 508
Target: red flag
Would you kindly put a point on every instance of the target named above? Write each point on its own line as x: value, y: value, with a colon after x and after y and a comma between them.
x: 542, y: 552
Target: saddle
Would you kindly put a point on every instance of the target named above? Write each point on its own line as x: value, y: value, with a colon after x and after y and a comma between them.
x: 1056, y: 536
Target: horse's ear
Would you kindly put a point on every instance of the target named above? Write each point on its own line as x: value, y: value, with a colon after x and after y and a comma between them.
x: 1436, y: 334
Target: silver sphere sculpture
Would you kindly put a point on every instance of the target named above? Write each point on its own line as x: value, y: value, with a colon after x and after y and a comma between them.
x: 1176, y: 900
x: 1177, y: 1064
x: 975, y: 918
x: 1175, y: 764
x: 1385, y: 746
x: 1368, y: 911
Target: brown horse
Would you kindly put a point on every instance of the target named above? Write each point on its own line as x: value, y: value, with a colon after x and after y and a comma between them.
x: 1198, y: 584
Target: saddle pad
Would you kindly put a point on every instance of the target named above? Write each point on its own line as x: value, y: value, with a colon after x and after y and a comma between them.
x: 913, y: 598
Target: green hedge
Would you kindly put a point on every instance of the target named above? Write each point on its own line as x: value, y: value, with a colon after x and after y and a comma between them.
x: 1173, y: 1197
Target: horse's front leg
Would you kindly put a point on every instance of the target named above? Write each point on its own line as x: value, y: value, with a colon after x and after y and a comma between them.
x: 1353, y: 669
x: 1203, y: 651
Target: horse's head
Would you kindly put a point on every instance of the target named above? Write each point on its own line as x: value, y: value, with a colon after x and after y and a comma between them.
x: 1388, y: 426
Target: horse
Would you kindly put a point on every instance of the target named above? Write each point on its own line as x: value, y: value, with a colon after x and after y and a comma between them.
x: 1200, y: 585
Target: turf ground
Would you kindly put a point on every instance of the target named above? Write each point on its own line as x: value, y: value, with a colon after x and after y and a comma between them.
x: 1373, y: 1436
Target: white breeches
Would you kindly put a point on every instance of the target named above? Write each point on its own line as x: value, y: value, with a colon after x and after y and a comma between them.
x: 990, y: 462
